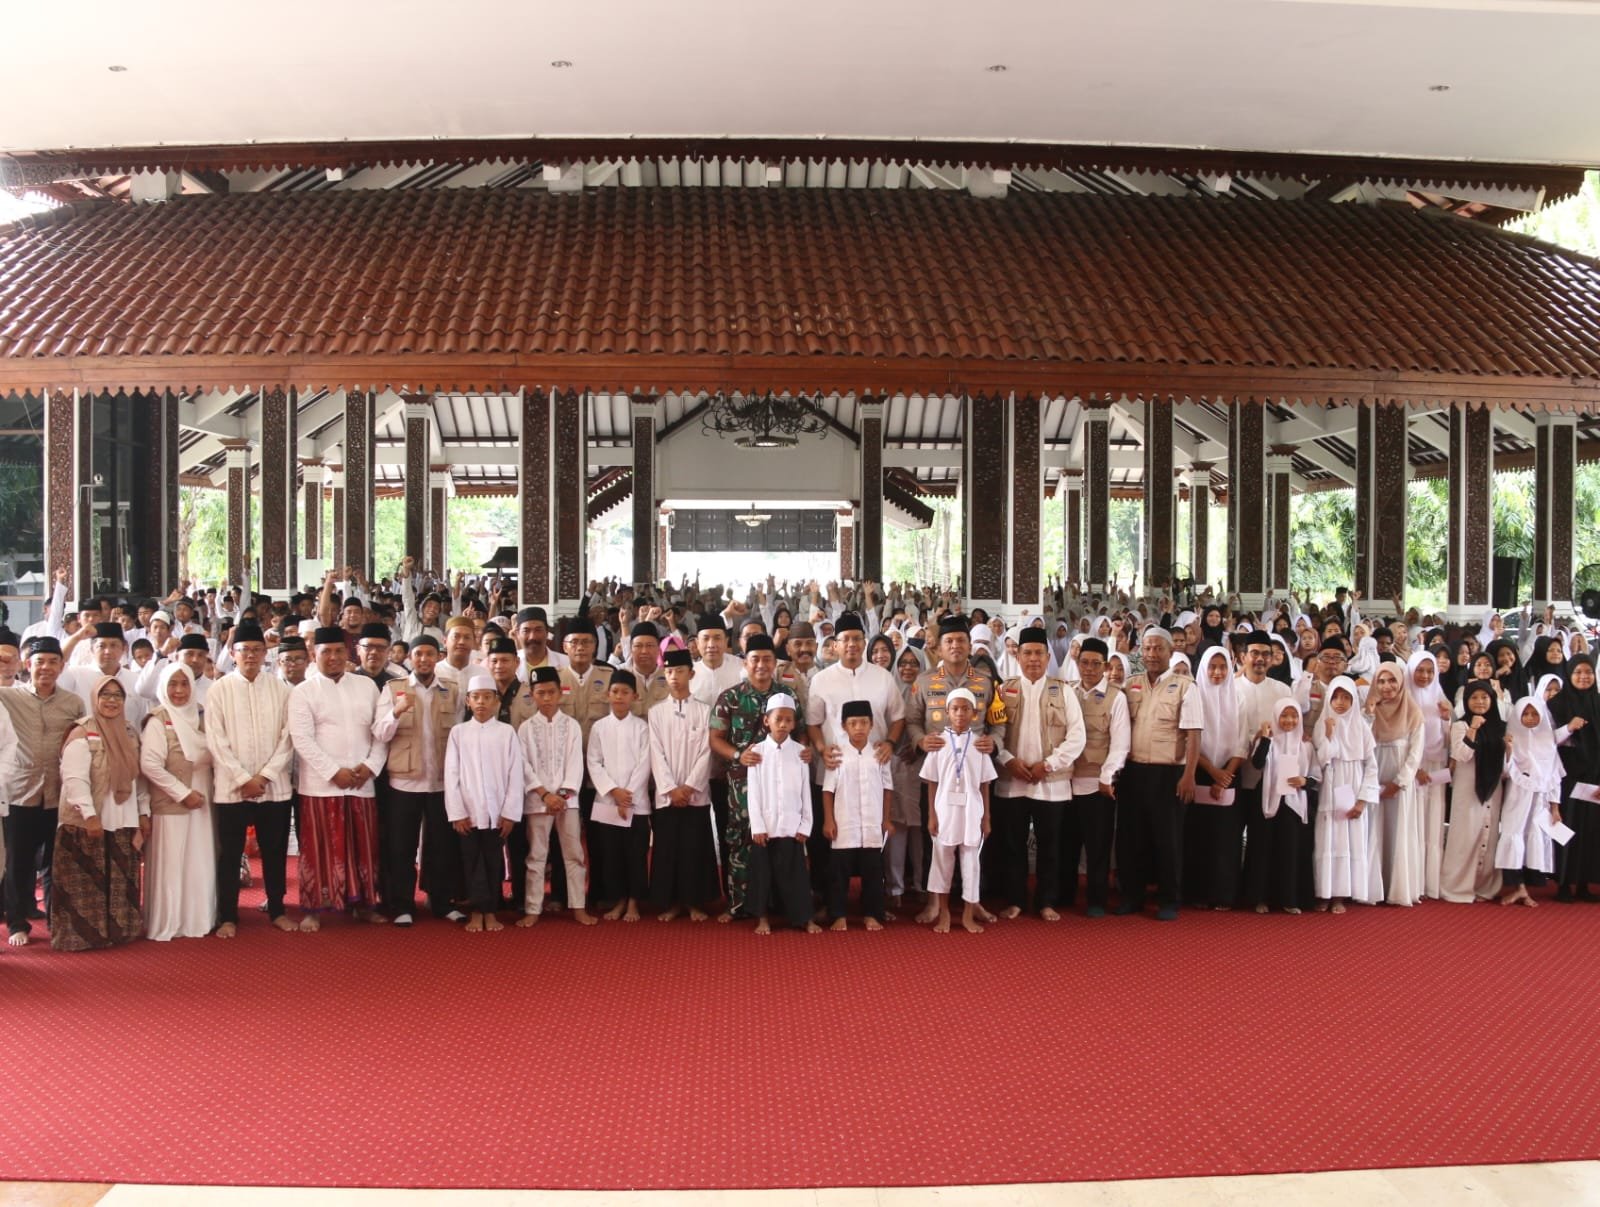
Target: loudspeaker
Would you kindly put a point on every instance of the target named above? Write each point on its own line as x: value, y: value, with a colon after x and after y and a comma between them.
x: 1503, y: 592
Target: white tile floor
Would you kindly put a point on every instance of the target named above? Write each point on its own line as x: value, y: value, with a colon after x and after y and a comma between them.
x: 1571, y: 1184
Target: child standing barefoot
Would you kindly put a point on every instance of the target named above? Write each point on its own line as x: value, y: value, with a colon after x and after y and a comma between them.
x: 958, y: 813
x: 780, y: 821
x: 483, y: 796
x: 1345, y: 754
x: 1526, y: 852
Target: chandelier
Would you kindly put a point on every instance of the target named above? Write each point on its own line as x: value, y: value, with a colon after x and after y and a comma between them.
x: 752, y: 518
x: 764, y: 420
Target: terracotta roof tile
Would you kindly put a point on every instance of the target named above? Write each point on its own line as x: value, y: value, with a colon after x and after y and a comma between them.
x: 1128, y: 279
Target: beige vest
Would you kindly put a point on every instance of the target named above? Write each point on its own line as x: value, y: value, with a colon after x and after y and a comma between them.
x: 1096, y: 730
x: 1010, y: 702
x: 1156, y: 738
x: 405, y: 748
x: 587, y: 702
x: 178, y: 767
x: 99, y: 778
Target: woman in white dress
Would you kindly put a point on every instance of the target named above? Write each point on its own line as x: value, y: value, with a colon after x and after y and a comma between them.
x: 181, y: 875
x: 1477, y: 783
x: 1343, y: 865
x: 1397, y: 729
x: 1422, y: 683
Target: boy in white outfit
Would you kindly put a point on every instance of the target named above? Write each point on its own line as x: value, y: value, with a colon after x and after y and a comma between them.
x: 552, y: 747
x: 959, y: 776
x: 780, y: 821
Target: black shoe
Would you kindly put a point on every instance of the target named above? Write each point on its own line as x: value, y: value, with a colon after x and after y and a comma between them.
x: 35, y: 913
x: 1095, y: 911
x: 1565, y: 895
x: 1167, y: 913
x: 1126, y: 908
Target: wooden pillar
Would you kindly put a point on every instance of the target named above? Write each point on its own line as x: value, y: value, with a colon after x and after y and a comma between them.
x: 1469, y: 559
x: 1247, y: 503
x: 1280, y: 469
x: 279, y: 440
x: 1027, y: 500
x: 571, y: 497
x: 419, y: 454
x: 533, y: 501
x: 646, y: 554
x: 1160, y: 522
x: 68, y: 487
x: 1097, y: 490
x: 846, y: 529
x: 1381, y: 465
x: 869, y: 538
x: 438, y: 557
x: 1200, y: 522
x: 311, y: 467
x: 238, y: 540
x: 985, y: 491
x: 1555, y: 464
x: 337, y: 485
x: 358, y: 469
x: 663, y: 540
x: 1072, y: 520
x: 155, y: 494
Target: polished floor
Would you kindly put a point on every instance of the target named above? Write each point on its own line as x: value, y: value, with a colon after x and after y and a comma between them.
x: 1565, y: 1184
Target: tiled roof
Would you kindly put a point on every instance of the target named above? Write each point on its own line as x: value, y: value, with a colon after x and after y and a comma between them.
x: 905, y: 275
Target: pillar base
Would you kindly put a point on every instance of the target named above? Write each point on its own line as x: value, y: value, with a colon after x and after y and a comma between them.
x: 994, y: 607
x: 1253, y: 601
x: 1563, y: 607
x: 1465, y: 613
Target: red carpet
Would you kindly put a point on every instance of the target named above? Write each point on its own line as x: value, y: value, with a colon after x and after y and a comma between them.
x: 657, y: 1056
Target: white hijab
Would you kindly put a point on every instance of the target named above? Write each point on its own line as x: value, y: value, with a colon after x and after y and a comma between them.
x: 185, y: 720
x: 1219, y: 740
x: 1534, y: 764
x: 1286, y: 760
x: 1365, y: 662
x: 1435, y: 729
x: 1352, y: 740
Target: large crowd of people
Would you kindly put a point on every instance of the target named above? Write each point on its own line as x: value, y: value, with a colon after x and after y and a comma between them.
x: 799, y: 754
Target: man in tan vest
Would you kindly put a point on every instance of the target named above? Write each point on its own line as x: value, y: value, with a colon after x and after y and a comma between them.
x: 1158, y: 782
x: 1087, y: 826
x: 414, y: 716
x: 1042, y: 738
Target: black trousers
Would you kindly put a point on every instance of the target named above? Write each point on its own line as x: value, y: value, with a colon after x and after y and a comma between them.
x: 1013, y: 815
x: 1273, y: 856
x: 1149, y: 833
x: 482, y: 868
x: 27, y: 830
x: 778, y: 870
x: 719, y: 814
x: 619, y: 860
x: 441, y: 858
x: 400, y: 817
x: 516, y: 858
x: 864, y: 862
x: 683, y: 860
x: 818, y: 847
x: 1086, y: 828
x: 1212, y: 838
x: 271, y: 820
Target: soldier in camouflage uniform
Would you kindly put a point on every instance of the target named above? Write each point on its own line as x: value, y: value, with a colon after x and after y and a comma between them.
x: 926, y: 713
x: 736, y: 726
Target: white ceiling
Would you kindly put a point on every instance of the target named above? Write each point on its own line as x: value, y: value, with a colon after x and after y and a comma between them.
x: 1342, y: 76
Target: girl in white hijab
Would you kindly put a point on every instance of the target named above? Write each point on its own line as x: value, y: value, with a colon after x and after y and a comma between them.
x: 1526, y: 852
x: 181, y: 876
x: 1285, y: 757
x: 1213, y: 831
x: 1365, y: 662
x: 1123, y: 668
x: 1345, y: 755
x: 1433, y: 777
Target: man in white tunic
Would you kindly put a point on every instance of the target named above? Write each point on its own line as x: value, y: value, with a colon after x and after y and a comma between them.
x: 330, y: 722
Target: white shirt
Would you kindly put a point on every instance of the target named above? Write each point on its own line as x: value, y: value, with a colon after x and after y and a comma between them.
x: 708, y: 683
x: 385, y: 724
x: 1259, y: 704
x: 80, y: 681
x: 247, y: 731
x: 552, y: 754
x: 680, y: 749
x: 483, y: 770
x: 780, y: 791
x: 330, y: 722
x: 858, y: 784
x: 1030, y: 741
x: 619, y: 757
x: 834, y: 686
x: 1120, y: 737
x: 958, y: 808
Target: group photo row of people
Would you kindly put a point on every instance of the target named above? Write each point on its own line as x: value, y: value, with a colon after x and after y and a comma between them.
x: 816, y: 756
